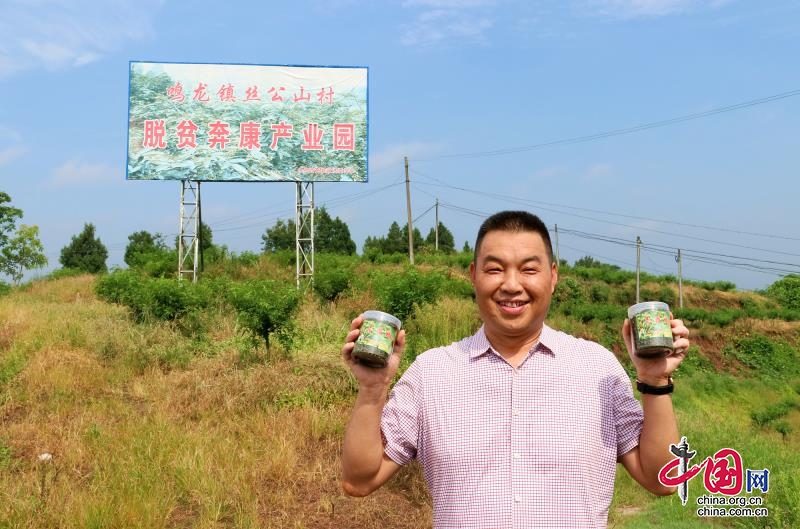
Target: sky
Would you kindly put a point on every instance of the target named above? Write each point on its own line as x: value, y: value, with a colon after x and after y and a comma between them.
x: 675, y: 121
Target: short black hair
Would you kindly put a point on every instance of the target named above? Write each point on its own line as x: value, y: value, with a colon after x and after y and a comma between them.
x: 514, y: 221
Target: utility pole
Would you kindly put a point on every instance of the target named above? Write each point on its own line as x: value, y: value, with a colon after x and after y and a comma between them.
x: 558, y: 257
x: 436, y: 231
x: 638, y: 259
x: 408, y: 207
x: 680, y: 279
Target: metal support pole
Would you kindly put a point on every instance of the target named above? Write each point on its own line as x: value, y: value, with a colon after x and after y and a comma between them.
x: 304, y: 233
x: 189, y: 233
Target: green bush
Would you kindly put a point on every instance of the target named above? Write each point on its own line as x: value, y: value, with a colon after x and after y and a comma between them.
x: 695, y: 362
x: 332, y: 274
x: 720, y: 318
x: 786, y: 291
x: 664, y: 293
x: 264, y: 307
x: 568, y: 290
x: 774, y: 411
x: 156, y: 298
x: 399, y: 292
x: 724, y: 286
x: 767, y: 357
x: 5, y: 288
x: 329, y: 284
x: 599, y: 293
x: 586, y: 312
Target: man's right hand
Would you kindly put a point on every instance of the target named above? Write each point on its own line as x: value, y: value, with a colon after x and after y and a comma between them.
x: 374, y: 378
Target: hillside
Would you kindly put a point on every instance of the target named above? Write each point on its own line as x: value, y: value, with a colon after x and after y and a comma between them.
x: 223, y: 404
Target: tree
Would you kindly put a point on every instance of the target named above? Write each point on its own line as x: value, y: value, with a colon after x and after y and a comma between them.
x: 332, y: 235
x: 22, y: 252
x: 8, y: 217
x: 142, y: 244
x: 85, y: 252
x: 280, y: 237
x: 447, y: 242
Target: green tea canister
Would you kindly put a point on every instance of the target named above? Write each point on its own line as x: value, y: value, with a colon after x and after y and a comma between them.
x: 650, y: 329
x: 375, y: 344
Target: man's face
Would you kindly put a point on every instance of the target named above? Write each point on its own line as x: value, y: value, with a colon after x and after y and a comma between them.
x: 514, y: 280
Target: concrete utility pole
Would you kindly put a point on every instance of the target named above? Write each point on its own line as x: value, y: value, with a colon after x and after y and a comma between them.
x: 558, y: 257
x: 408, y: 207
x: 680, y: 279
x: 436, y: 246
x: 638, y: 259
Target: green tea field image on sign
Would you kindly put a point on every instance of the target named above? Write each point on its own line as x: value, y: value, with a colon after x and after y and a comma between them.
x: 247, y: 123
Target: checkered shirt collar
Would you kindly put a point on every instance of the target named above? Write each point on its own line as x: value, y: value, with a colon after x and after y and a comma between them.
x: 479, y: 346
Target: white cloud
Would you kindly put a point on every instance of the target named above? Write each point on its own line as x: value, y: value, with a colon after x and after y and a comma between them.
x: 599, y: 172
x: 74, y: 173
x: 11, y: 153
x: 447, y: 21
x: 645, y: 8
x: 56, y: 34
x: 392, y: 157
x: 11, y: 146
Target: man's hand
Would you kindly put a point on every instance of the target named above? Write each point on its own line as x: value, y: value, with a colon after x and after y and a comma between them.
x: 372, y: 377
x: 656, y: 371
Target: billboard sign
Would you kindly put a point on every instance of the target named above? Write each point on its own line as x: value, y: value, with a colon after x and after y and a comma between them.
x: 247, y: 123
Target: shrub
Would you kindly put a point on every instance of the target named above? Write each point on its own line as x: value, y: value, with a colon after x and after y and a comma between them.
x: 5, y: 288
x: 329, y: 284
x: 767, y: 357
x: 156, y: 298
x: 398, y: 293
x: 264, y: 307
x: 568, y: 290
x: 774, y: 411
x: 586, y: 312
x: 599, y: 293
x: 786, y: 291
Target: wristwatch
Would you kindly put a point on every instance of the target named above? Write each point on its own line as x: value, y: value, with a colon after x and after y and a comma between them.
x: 655, y: 390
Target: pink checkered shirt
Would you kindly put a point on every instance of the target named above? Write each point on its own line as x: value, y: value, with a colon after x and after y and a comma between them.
x: 535, y: 446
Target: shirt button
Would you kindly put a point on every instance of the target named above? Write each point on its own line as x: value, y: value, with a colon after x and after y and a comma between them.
x: 517, y: 499
x: 515, y: 413
x: 517, y: 456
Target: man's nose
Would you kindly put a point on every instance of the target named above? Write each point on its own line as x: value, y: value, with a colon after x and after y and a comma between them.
x: 511, y: 281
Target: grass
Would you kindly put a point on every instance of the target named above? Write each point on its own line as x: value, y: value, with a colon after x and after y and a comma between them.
x: 150, y: 427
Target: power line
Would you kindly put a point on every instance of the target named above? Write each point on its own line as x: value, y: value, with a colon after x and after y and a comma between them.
x: 623, y: 215
x: 641, y: 228
x: 619, y: 132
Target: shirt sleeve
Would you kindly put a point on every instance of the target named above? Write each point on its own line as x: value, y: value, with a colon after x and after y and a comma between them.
x: 400, y: 417
x: 628, y: 415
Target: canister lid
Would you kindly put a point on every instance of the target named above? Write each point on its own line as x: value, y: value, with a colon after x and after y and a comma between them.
x: 377, y: 315
x: 646, y: 305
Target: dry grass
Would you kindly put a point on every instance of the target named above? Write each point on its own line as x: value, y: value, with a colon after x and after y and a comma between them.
x: 136, y: 442
x: 150, y: 428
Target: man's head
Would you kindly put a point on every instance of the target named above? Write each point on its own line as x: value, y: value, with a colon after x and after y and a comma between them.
x: 514, y: 221
x: 514, y: 277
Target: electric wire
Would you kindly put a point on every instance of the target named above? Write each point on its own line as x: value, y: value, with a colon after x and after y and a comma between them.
x: 618, y: 132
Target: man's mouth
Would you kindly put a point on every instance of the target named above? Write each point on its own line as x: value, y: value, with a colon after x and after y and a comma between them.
x: 512, y: 306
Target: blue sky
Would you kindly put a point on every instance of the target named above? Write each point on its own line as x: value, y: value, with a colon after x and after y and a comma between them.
x: 672, y: 120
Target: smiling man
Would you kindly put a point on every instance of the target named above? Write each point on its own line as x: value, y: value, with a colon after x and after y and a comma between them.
x: 519, y: 425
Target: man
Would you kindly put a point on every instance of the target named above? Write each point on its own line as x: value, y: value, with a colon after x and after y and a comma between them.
x: 519, y: 425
